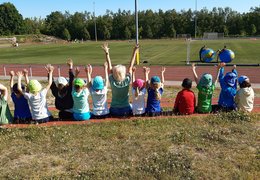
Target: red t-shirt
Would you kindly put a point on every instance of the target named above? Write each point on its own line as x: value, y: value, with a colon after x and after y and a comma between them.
x: 185, y: 102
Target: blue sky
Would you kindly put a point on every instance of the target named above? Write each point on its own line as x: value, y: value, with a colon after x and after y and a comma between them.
x: 41, y: 8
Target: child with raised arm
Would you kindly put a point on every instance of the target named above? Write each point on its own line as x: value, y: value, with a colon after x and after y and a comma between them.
x: 22, y: 112
x: 80, y: 93
x: 138, y: 93
x: 244, y: 98
x: 98, y: 90
x: 155, y: 91
x: 37, y: 97
x: 5, y: 114
x: 228, y: 84
x: 61, y: 90
x: 120, y: 81
x: 185, y: 101
x: 205, y: 88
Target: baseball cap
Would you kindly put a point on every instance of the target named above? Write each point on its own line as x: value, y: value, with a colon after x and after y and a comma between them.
x: 61, y: 80
x: 230, y: 78
x: 155, y: 79
x: 98, y: 83
x: 241, y: 79
x: 34, y: 86
x: 138, y: 83
x: 79, y: 82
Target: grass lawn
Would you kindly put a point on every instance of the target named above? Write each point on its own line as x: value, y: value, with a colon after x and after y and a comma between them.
x: 156, y: 52
x: 224, y: 146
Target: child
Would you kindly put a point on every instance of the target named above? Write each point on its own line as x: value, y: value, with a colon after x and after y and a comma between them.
x: 138, y: 93
x: 185, y: 101
x: 61, y: 90
x: 80, y: 95
x: 98, y: 90
x: 155, y: 91
x: 245, y: 96
x: 206, y: 89
x: 37, y: 97
x: 22, y: 112
x: 5, y: 114
x: 228, y: 84
x: 119, y: 82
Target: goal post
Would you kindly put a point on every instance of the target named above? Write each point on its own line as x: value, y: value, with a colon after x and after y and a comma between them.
x: 213, y: 35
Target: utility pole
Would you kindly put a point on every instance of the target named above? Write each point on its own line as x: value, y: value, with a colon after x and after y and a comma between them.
x: 137, y: 32
x: 95, y: 21
x: 195, y: 32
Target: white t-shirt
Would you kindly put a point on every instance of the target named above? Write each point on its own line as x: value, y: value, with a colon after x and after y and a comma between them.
x: 38, y: 104
x: 245, y: 99
x: 138, y: 105
x: 99, y: 99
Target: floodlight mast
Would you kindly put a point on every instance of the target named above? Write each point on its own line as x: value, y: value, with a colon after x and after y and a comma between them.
x: 137, y: 31
x: 95, y: 23
x: 195, y: 29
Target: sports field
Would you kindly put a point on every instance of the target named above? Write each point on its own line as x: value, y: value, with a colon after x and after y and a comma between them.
x: 155, y: 52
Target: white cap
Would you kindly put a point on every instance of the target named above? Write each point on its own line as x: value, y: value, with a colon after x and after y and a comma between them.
x: 61, y: 80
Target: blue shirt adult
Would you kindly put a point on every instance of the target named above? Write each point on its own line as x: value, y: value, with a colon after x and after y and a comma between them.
x: 228, y: 84
x: 21, y: 107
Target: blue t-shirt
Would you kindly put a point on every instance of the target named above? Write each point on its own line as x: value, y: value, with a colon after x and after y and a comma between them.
x: 21, y: 107
x: 153, y: 104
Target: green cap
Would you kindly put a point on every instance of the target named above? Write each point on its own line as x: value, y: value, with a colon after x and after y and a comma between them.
x: 79, y: 82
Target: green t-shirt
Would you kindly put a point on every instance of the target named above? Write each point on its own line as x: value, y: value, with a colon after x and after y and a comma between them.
x: 205, y: 98
x: 120, y: 92
x: 5, y: 114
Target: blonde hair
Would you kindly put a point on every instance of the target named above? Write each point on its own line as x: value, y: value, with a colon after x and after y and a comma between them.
x: 119, y: 73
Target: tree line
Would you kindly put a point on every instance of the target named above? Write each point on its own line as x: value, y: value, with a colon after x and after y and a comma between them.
x: 121, y: 24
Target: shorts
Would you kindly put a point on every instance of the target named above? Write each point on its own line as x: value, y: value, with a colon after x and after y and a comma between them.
x: 120, y: 112
x: 81, y: 116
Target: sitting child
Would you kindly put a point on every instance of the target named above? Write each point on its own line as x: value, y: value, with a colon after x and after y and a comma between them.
x: 228, y: 84
x: 206, y: 89
x: 98, y: 91
x: 80, y: 95
x: 61, y: 90
x: 119, y: 82
x: 245, y: 95
x: 185, y: 101
x: 5, y: 114
x: 155, y: 91
x: 22, y: 112
x: 138, y: 93
x: 37, y: 97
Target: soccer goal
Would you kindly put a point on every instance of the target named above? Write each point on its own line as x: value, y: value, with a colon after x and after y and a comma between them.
x: 213, y: 35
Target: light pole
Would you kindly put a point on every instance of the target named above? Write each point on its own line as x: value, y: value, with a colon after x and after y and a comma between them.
x: 95, y: 21
x: 195, y: 30
x: 137, y: 31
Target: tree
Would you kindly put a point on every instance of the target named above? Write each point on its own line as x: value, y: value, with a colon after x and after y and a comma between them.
x: 11, y: 22
x: 55, y: 24
x: 66, y: 34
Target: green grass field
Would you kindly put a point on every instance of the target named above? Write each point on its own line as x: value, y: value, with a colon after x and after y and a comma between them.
x: 156, y: 52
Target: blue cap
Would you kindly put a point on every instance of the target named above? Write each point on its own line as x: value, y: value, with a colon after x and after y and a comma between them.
x: 241, y: 79
x: 230, y: 78
x: 155, y: 79
x: 206, y: 80
x: 98, y: 83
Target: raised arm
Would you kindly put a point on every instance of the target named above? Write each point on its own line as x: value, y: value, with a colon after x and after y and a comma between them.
x: 50, y: 70
x: 4, y: 91
x: 88, y: 70
x: 195, y: 73
x: 108, y: 60
x: 217, y: 74
x: 19, y: 84
x: 26, y: 77
x: 162, y: 74
x: 133, y: 74
x: 221, y: 71
x: 11, y: 79
x: 130, y: 68
x: 106, y: 74
x: 146, y: 72
x: 77, y: 71
x: 71, y: 74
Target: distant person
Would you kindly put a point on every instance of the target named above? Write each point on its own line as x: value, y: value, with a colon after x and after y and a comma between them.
x: 22, y: 112
x: 98, y: 88
x: 205, y: 88
x: 155, y: 90
x: 245, y: 95
x: 80, y: 93
x: 228, y: 84
x: 139, y: 92
x: 37, y: 97
x: 5, y: 114
x: 61, y: 90
x: 120, y: 80
x: 185, y: 101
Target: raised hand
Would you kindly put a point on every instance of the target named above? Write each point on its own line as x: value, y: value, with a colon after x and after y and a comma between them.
x: 19, y: 74
x: 163, y: 69
x: 70, y: 63
x: 12, y: 74
x: 105, y: 47
x: 25, y: 72
x: 88, y: 69
x: 77, y: 71
x: 134, y: 69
